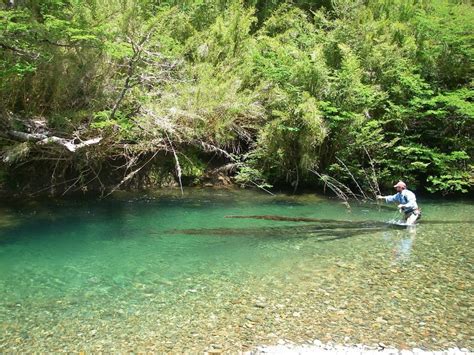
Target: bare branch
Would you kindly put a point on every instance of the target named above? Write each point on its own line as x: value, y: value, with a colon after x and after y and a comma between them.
x: 19, y: 51
x: 178, y: 166
x: 341, y: 190
x: 374, y: 174
x: 212, y: 148
x: 353, y: 178
x: 42, y: 139
x: 137, y: 51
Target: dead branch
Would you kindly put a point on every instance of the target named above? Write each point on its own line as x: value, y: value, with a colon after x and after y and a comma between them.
x: 374, y: 174
x: 43, y: 139
x: 178, y: 166
x: 228, y: 168
x: 212, y: 148
x: 353, y: 178
x: 342, y: 191
x: 261, y: 187
x: 137, y: 52
x: 131, y: 175
x: 28, y: 137
x: 19, y: 51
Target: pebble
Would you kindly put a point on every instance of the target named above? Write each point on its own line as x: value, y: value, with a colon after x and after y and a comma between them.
x: 318, y: 347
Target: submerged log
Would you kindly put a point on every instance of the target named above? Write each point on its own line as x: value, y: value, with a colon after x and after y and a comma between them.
x: 339, y: 222
x: 322, y: 233
x: 324, y: 229
x: 286, y: 219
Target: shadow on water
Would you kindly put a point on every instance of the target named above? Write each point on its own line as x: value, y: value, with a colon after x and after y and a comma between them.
x: 287, y: 231
x: 306, y: 219
x: 323, y: 229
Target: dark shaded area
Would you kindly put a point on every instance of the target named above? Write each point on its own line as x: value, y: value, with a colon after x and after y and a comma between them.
x: 329, y: 230
x: 306, y: 219
x: 323, y: 229
x: 325, y: 232
x: 283, y: 218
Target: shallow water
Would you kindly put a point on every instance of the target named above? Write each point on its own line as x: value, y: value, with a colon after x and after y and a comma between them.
x: 161, y: 272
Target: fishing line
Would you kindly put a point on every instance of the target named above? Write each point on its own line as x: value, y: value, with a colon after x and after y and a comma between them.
x: 396, y: 215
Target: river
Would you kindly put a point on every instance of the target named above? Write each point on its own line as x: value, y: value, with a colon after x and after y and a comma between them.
x: 165, y: 272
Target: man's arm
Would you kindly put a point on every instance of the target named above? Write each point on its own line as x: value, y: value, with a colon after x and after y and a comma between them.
x: 391, y: 198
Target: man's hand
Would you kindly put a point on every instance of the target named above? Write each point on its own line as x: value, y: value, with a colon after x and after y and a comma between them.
x: 401, y: 207
x: 380, y: 197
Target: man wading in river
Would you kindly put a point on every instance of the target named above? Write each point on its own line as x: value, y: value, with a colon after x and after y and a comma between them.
x: 407, y: 202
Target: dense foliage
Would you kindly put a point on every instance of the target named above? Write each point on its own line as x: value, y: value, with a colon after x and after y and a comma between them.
x: 263, y: 90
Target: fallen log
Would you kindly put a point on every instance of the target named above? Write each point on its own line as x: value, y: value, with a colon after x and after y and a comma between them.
x: 285, y: 219
x: 340, y: 222
x: 42, y: 139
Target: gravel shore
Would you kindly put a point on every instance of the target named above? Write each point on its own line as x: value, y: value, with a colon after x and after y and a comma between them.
x: 318, y: 347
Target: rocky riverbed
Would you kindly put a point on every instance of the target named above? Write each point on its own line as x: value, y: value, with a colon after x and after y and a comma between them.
x: 317, y: 347
x: 113, y: 278
x: 197, y: 315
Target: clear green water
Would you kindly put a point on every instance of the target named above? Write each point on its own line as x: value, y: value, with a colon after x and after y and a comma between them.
x: 170, y: 273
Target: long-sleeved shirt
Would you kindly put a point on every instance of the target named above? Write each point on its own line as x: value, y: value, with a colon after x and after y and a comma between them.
x: 406, y: 198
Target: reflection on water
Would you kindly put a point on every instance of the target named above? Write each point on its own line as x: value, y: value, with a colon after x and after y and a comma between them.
x: 403, y: 244
x: 170, y: 273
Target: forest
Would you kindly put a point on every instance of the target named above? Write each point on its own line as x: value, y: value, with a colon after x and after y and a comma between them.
x: 102, y: 95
